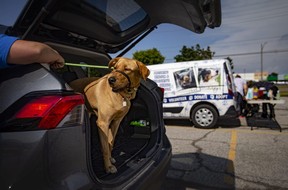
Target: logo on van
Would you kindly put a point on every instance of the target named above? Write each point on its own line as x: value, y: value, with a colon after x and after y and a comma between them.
x: 197, y: 97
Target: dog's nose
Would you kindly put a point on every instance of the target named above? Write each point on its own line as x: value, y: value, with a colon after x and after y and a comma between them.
x: 111, y: 80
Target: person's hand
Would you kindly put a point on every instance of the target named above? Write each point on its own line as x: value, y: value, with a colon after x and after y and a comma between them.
x: 58, y: 63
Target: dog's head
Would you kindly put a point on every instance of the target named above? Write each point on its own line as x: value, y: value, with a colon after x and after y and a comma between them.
x: 186, y: 80
x: 127, y: 73
x: 183, y: 79
x: 207, y: 74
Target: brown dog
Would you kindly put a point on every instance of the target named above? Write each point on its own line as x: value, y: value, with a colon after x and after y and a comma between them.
x: 109, y: 97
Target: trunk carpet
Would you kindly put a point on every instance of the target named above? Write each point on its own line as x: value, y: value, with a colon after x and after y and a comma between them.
x: 125, y: 148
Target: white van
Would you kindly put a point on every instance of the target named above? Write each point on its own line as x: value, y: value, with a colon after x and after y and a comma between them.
x: 197, y: 90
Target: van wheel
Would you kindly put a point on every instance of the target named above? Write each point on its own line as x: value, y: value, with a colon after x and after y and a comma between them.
x: 204, y: 116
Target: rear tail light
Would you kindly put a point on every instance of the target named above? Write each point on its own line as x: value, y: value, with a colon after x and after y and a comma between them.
x: 161, y: 92
x: 45, y: 112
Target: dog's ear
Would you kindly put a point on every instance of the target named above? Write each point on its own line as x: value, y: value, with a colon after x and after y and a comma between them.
x: 113, y: 62
x: 144, y: 71
x: 177, y: 76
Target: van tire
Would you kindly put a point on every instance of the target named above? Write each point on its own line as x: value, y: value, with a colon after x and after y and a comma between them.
x: 204, y: 116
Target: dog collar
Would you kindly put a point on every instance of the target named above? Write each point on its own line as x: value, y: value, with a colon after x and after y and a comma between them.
x: 127, y: 77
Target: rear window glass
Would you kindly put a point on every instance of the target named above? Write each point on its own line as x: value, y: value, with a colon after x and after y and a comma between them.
x: 119, y: 15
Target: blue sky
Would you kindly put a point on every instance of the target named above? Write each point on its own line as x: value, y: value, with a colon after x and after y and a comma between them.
x: 245, y: 26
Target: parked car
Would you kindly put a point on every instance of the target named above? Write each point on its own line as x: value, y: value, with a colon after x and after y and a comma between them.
x: 47, y: 138
x: 201, y: 91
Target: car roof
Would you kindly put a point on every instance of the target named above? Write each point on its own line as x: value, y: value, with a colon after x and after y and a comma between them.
x: 110, y: 25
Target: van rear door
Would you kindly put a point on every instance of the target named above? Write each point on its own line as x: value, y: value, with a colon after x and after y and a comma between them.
x: 230, y: 80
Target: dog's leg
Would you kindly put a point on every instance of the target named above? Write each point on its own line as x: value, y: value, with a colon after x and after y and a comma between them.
x: 111, y: 143
x: 103, y: 127
x: 114, y: 126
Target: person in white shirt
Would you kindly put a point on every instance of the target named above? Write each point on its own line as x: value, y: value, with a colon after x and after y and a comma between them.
x: 241, y: 87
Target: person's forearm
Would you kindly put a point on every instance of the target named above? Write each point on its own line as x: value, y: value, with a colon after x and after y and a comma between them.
x: 245, y: 89
x: 25, y: 52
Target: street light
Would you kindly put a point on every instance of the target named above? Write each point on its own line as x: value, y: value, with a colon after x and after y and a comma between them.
x: 262, y: 47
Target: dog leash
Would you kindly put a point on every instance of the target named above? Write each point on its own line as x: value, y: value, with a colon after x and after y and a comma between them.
x: 86, y: 65
x: 99, y: 67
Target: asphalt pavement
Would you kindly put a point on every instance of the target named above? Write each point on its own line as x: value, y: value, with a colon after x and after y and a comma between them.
x: 231, y: 156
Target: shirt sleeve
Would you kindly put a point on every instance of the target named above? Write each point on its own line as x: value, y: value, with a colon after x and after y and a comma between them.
x: 5, y: 45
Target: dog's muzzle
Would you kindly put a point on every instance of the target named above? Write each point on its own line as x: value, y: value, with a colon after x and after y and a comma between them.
x: 112, y: 80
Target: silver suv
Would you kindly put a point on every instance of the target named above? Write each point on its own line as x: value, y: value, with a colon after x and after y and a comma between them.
x: 47, y: 138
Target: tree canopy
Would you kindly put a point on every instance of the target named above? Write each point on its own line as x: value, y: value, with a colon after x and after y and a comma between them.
x: 194, y: 53
x: 149, y: 57
x: 153, y: 56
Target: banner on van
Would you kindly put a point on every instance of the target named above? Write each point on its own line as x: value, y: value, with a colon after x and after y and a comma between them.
x: 188, y: 77
x: 197, y: 97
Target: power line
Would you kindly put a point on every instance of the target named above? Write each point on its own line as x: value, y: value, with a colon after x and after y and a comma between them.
x: 243, y: 54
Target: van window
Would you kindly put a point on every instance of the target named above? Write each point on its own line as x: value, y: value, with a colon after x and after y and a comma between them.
x: 184, y: 78
x: 209, y: 76
x: 228, y: 79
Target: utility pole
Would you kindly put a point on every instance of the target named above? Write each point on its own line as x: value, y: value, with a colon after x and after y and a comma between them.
x: 262, y: 47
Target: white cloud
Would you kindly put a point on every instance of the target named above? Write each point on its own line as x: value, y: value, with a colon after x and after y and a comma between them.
x: 247, y: 25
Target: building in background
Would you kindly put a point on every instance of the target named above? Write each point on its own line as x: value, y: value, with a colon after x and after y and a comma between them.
x: 253, y: 76
x: 257, y: 76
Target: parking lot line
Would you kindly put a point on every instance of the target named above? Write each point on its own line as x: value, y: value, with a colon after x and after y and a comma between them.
x: 233, y: 143
x: 229, y: 178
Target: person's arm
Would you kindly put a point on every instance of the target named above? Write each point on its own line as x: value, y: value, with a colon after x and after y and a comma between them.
x: 25, y: 52
x: 245, y: 88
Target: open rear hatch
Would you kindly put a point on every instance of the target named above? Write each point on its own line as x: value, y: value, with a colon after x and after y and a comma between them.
x: 109, y: 26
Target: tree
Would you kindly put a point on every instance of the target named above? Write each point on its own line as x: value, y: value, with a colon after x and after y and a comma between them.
x: 194, y: 53
x: 231, y: 62
x: 149, y: 57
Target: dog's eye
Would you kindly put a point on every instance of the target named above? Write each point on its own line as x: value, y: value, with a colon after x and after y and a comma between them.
x: 127, y: 69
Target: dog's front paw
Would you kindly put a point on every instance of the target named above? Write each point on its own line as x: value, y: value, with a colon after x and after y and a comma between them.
x: 112, y: 160
x: 111, y: 169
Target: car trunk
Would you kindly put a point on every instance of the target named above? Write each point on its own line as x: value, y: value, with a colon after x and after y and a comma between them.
x: 138, y: 136
x: 136, y: 140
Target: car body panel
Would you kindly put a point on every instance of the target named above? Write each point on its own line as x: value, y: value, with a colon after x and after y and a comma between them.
x: 21, y: 76
x: 45, y: 156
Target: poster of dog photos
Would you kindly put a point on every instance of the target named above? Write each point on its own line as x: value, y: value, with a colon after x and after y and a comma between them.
x: 209, y: 76
x: 206, y: 76
x: 185, y: 79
